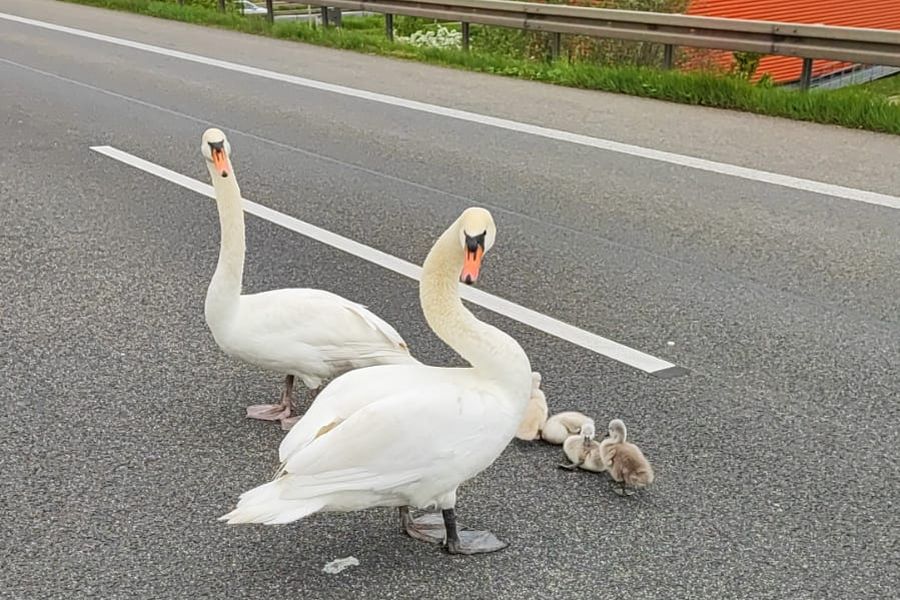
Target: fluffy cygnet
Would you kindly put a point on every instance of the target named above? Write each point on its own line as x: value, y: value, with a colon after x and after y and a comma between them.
x: 560, y: 426
x: 624, y: 461
x: 583, y: 451
x: 535, y: 414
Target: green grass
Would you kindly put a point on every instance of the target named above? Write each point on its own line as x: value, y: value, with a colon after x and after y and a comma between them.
x: 889, y: 86
x: 859, y: 107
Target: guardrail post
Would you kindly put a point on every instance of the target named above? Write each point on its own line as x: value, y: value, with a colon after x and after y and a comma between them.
x: 270, y: 11
x: 389, y: 26
x: 331, y: 16
x: 555, y: 43
x: 668, y: 56
x: 806, y: 74
x: 465, y: 36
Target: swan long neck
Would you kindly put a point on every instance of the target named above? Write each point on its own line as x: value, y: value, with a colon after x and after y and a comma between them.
x: 225, y: 287
x: 490, y: 351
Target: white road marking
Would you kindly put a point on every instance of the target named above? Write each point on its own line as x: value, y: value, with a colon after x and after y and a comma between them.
x: 580, y: 337
x: 702, y: 164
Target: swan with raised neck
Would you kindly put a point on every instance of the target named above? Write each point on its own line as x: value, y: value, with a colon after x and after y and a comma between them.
x: 224, y: 291
x: 456, y: 257
x: 310, y: 334
x: 409, y: 435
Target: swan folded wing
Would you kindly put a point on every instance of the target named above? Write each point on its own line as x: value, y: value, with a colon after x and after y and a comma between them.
x: 440, y: 433
x: 360, y: 312
x: 376, y: 323
x: 362, y: 354
x: 321, y: 318
x: 350, y: 392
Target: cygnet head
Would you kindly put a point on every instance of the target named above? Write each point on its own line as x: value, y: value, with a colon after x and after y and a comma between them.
x: 476, y: 236
x: 587, y: 431
x: 217, y: 152
x: 617, y: 430
x: 535, y: 380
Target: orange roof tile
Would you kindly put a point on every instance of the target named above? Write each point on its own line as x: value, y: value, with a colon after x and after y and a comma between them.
x: 878, y: 14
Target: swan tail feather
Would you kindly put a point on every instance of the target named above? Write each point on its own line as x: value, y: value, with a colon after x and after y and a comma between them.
x: 264, y: 504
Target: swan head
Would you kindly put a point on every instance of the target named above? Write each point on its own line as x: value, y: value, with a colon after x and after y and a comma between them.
x: 476, y: 236
x: 217, y: 152
x: 617, y: 430
x: 588, y: 432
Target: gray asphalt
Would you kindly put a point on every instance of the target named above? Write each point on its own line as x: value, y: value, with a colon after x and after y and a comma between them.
x: 123, y: 435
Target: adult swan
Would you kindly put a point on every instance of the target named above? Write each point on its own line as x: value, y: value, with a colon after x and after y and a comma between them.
x: 311, y: 334
x: 409, y: 435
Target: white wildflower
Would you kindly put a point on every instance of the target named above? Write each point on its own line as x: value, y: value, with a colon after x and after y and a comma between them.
x: 427, y: 38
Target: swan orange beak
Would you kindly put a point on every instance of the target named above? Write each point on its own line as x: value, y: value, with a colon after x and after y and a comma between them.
x: 218, y: 154
x: 472, y: 265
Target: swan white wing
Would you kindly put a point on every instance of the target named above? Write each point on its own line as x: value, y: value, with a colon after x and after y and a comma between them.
x: 354, y: 390
x: 315, y: 331
x: 438, y: 435
x: 376, y: 322
x: 315, y: 313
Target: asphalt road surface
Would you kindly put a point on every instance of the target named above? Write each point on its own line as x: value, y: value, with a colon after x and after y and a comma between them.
x: 123, y: 434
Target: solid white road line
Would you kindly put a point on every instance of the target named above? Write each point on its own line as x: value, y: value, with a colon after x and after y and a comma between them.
x: 702, y: 164
x: 580, y: 337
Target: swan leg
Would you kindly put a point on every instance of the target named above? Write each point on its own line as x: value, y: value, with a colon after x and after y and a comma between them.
x: 289, y: 422
x: 274, y: 412
x: 427, y: 528
x: 467, y: 541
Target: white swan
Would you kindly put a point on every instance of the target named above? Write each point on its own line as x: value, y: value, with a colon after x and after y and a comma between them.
x: 409, y: 435
x: 306, y: 333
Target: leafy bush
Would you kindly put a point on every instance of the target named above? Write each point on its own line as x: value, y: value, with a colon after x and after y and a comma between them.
x: 745, y: 64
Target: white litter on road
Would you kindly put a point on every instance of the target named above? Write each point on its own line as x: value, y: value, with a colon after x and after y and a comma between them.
x: 339, y: 564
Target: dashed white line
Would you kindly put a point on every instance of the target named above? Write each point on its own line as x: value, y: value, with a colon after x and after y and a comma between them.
x: 555, y: 327
x: 693, y: 162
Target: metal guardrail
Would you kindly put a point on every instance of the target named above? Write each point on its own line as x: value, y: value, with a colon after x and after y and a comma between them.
x: 848, y: 44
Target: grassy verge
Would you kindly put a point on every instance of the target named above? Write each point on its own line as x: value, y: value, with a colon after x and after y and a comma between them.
x: 888, y: 87
x: 857, y: 107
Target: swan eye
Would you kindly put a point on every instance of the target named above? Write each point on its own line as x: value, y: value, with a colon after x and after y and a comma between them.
x: 473, y: 242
